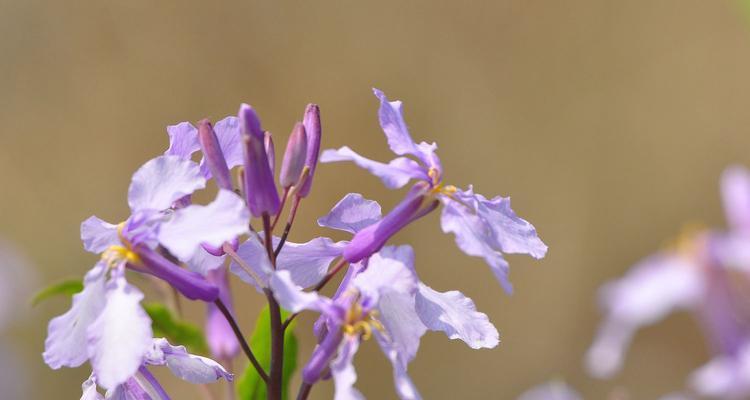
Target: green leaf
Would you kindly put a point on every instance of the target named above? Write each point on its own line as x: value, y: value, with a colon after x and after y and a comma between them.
x: 250, y: 386
x: 176, y: 331
x: 68, y: 287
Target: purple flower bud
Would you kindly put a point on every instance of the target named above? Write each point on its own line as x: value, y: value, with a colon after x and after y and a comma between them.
x: 294, y: 156
x: 215, y: 160
x: 314, y: 132
x: 260, y: 189
x: 221, y: 339
x: 371, y: 239
x: 190, y: 284
x: 321, y: 357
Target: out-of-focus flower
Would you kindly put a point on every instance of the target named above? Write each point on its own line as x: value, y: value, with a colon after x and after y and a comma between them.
x: 221, y: 339
x: 483, y: 228
x: 555, y: 390
x: 707, y: 274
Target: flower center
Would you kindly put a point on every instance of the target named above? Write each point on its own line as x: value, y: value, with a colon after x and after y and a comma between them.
x: 359, y: 322
x: 115, y: 254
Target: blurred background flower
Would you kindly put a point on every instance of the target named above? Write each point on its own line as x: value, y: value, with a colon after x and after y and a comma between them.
x: 607, y: 121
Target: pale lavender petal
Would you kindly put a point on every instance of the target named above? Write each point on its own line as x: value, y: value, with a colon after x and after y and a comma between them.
x: 405, y: 388
x: 342, y: 369
x: 308, y: 262
x: 228, y: 132
x: 386, y: 274
x: 203, y: 262
x: 66, y: 336
x: 162, y: 181
x: 189, y: 367
x: 352, y: 214
x: 255, y: 256
x: 394, y: 126
x: 651, y: 290
x: 88, y: 389
x: 403, y: 327
x: 488, y: 228
x: 219, y: 334
x: 724, y: 377
x: 455, y: 315
x: 183, y: 140
x: 394, y: 175
x: 97, y: 235
x: 735, y: 191
x: 220, y: 221
x: 555, y: 390
x: 292, y: 298
x: 120, y: 337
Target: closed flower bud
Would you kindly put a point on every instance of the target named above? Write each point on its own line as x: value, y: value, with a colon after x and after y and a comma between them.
x: 214, y: 157
x: 270, y: 151
x: 294, y: 157
x: 260, y: 189
x: 314, y: 132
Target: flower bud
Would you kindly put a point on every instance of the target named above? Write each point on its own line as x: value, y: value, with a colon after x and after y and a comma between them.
x: 260, y: 189
x: 270, y: 151
x: 314, y: 132
x: 294, y: 156
x: 192, y: 285
x: 214, y: 157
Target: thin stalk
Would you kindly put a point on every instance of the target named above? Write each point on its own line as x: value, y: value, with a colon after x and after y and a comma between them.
x: 304, y: 391
x: 281, y: 208
x: 241, y: 338
x: 274, y: 382
x: 288, y: 227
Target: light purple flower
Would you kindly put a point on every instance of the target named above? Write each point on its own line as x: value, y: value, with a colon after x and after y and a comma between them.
x: 702, y: 276
x: 483, y: 228
x: 294, y: 157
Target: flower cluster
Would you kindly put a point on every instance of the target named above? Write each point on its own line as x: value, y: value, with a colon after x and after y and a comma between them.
x: 707, y: 274
x: 191, y: 247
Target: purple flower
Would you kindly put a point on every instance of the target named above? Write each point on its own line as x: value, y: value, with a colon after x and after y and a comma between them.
x: 143, y: 385
x: 483, y: 228
x: 221, y: 339
x: 314, y: 133
x: 184, y: 141
x: 294, y: 157
x: 702, y: 276
x: 555, y: 390
x: 384, y: 299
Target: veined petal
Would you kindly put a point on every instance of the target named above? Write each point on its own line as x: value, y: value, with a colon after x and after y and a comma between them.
x: 352, y: 214
x: 308, y: 262
x: 228, y: 132
x: 97, y: 235
x: 88, y: 389
x: 735, y: 191
x: 386, y: 274
x: 66, y: 336
x: 183, y: 140
x: 120, y: 337
x: 455, y: 315
x: 293, y: 298
x: 404, y: 329
x: 189, y: 367
x: 342, y: 369
x: 405, y: 388
x: 394, y: 175
x: 651, y: 290
x: 220, y: 221
x: 254, y: 254
x: 203, y: 262
x: 162, y: 181
x: 394, y: 126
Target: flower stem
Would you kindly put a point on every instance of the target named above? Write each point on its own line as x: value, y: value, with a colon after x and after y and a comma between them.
x: 288, y: 227
x: 240, y: 338
x: 304, y: 391
x: 274, y: 383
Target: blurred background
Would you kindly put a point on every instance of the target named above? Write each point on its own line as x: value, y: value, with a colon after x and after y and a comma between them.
x: 608, y: 122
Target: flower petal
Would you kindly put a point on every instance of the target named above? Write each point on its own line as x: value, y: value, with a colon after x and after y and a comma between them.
x: 724, y: 377
x: 203, y: 262
x: 394, y: 175
x: 255, y: 258
x: 228, y: 133
x: 220, y: 221
x: 352, y: 214
x: 456, y: 315
x: 120, y: 336
x: 189, y: 367
x: 183, y: 140
x: 66, y: 338
x: 651, y: 290
x: 308, y: 262
x: 291, y: 296
x: 405, y: 388
x: 89, y: 390
x: 162, y: 181
x: 387, y: 272
x: 344, y: 374
x: 735, y: 190
x: 97, y: 235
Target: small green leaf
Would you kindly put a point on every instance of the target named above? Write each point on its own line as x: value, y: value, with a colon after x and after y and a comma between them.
x: 68, y: 287
x: 178, y: 332
x: 249, y: 385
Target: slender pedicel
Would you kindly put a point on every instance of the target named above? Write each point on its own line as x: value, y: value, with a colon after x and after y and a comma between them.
x: 241, y: 339
x: 215, y: 160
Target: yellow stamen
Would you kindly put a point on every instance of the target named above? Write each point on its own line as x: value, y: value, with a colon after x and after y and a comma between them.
x: 115, y: 254
x: 362, y: 323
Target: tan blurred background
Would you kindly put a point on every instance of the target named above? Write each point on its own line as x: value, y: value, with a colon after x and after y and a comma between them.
x: 608, y: 122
